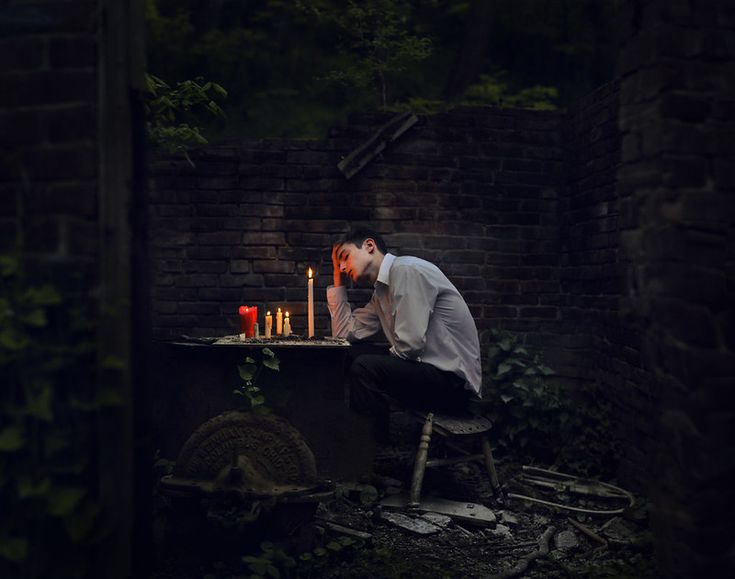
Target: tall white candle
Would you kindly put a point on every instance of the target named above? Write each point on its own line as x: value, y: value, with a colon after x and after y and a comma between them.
x: 279, y: 322
x: 311, y: 304
x: 268, y: 325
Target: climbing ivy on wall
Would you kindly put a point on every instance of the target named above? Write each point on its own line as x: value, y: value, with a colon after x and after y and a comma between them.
x: 48, y: 411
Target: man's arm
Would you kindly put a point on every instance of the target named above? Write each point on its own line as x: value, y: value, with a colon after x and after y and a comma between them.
x: 346, y: 323
x: 414, y: 296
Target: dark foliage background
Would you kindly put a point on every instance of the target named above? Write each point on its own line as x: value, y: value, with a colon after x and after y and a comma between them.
x: 295, y: 67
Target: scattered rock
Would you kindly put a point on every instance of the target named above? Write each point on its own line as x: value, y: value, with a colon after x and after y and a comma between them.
x: 566, y: 541
x: 437, y: 519
x: 417, y: 525
x: 500, y: 532
x: 618, y: 530
x: 508, y: 518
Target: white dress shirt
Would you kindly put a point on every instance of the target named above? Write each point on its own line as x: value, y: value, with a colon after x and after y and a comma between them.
x: 421, y: 313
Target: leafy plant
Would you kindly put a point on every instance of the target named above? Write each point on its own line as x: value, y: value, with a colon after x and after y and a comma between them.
x: 47, y: 419
x: 272, y: 561
x: 376, y: 43
x: 528, y: 411
x: 495, y: 90
x: 170, y: 110
x: 250, y: 372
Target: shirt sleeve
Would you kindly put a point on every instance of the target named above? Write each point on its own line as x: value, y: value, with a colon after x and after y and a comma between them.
x: 347, y: 323
x: 413, y: 297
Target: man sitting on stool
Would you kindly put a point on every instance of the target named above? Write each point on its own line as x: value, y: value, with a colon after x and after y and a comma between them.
x: 434, y: 357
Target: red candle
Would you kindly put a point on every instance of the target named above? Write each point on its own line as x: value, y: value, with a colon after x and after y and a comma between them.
x: 248, y: 317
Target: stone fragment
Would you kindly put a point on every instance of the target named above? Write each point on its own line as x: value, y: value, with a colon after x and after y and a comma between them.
x: 508, y: 518
x: 500, y: 532
x: 619, y: 530
x: 437, y: 519
x: 566, y: 541
x: 417, y: 525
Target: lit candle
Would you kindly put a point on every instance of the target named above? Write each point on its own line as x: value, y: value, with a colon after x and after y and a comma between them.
x: 311, y: 304
x: 287, y: 326
x: 268, y: 325
x: 279, y: 322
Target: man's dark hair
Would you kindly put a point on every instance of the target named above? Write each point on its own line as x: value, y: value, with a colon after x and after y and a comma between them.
x: 359, y: 235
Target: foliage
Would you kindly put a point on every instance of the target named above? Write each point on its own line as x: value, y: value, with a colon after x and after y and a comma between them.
x: 528, y: 411
x: 273, y: 562
x: 250, y: 372
x: 594, y: 449
x: 169, y: 111
x: 375, y: 43
x: 492, y: 89
x: 533, y: 415
x: 47, y: 418
x: 270, y: 55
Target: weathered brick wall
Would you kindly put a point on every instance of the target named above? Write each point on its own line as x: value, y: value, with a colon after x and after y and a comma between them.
x: 601, y: 345
x: 48, y: 127
x: 677, y: 181
x: 61, y: 186
x: 475, y: 190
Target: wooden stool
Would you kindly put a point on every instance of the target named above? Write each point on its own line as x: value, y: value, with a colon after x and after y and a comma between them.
x: 451, y: 426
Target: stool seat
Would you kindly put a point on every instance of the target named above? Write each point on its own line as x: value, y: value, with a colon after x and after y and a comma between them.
x: 456, y: 424
x: 448, y: 426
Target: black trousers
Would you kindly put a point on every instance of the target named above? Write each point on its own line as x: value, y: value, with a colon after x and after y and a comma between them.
x: 376, y: 378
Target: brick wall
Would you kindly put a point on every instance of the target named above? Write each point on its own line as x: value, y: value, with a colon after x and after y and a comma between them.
x: 600, y: 343
x: 475, y: 190
x: 65, y: 94
x: 677, y: 94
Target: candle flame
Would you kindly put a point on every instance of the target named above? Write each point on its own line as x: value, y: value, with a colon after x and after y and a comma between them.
x: 279, y: 309
x: 268, y: 313
x: 286, y: 314
x: 309, y: 273
x: 243, y: 309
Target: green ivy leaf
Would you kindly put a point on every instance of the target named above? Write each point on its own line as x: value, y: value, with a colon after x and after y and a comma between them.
x: 11, y: 438
x: 39, y: 405
x: 63, y: 500
x: 29, y: 488
x: 247, y: 371
x: 272, y: 363
x: 505, y: 398
x: 503, y: 369
x: 80, y: 523
x: 14, y: 549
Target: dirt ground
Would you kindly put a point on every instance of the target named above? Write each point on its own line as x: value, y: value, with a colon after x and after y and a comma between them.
x: 348, y: 536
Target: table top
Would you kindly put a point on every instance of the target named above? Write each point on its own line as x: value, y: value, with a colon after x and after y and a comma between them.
x: 234, y: 341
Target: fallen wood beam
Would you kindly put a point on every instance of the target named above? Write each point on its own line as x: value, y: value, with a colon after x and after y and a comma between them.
x: 388, y: 133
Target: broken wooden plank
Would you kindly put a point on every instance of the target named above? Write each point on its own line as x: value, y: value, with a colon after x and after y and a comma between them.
x: 388, y: 133
x: 345, y: 530
x: 473, y: 513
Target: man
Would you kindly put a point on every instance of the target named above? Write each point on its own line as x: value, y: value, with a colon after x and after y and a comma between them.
x: 434, y: 356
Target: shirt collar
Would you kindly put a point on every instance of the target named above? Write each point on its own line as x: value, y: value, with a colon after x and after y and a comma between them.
x: 384, y: 272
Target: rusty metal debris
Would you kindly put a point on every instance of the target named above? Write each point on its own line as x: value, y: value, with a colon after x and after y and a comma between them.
x: 562, y: 482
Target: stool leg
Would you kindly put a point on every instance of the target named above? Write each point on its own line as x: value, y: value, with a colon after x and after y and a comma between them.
x: 419, y: 465
x: 490, y: 465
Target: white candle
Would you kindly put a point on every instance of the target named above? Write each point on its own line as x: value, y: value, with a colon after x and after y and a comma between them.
x: 311, y: 304
x: 279, y: 322
x: 287, y: 326
x: 268, y: 325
